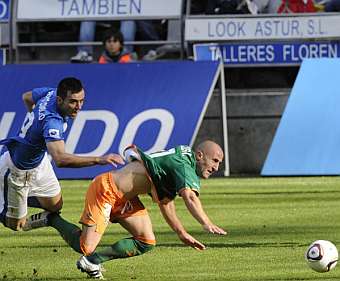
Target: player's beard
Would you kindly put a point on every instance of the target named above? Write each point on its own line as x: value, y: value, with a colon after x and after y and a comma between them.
x: 199, y: 171
x: 67, y: 111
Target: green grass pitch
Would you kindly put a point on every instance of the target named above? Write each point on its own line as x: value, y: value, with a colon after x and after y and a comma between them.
x: 270, y: 223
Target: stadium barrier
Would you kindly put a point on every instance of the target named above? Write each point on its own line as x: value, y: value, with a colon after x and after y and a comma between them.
x: 263, y: 40
x: 154, y: 105
x: 239, y: 40
x: 25, y: 11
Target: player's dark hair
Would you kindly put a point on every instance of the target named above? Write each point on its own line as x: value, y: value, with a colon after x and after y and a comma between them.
x: 68, y: 85
x: 116, y: 35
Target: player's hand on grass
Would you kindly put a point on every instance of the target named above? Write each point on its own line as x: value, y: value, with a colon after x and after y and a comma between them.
x: 214, y: 229
x: 187, y: 239
x: 15, y: 224
x: 112, y: 159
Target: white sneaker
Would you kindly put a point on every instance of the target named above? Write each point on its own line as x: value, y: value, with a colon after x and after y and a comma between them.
x: 92, y: 270
x: 36, y: 221
x: 82, y: 56
x: 151, y: 55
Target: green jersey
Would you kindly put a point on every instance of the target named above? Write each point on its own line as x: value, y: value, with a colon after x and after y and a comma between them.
x: 171, y: 170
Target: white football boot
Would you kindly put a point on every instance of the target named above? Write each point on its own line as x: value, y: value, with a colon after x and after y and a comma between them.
x: 36, y: 221
x: 92, y: 270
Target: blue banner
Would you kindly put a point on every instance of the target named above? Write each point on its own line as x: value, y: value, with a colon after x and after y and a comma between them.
x: 266, y: 53
x: 4, y: 10
x: 154, y: 105
x: 307, y: 139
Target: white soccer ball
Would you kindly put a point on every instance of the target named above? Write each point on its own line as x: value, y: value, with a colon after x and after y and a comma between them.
x: 322, y: 256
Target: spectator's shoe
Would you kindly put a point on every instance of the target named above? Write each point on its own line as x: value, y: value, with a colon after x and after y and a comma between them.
x: 82, y: 56
x: 92, y: 270
x: 252, y: 7
x: 162, y: 51
x: 36, y: 221
x: 151, y: 55
x: 168, y: 49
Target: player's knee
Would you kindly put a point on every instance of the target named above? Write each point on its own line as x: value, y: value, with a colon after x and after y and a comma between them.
x: 145, y: 246
x: 57, y: 207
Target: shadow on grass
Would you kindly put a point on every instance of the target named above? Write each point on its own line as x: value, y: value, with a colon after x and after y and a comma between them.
x: 169, y: 238
x: 318, y: 278
x: 26, y: 278
x: 236, y: 245
x: 235, y: 231
x: 10, y: 276
x: 273, y: 193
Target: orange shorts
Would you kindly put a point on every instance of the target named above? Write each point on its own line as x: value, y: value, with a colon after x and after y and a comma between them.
x: 104, y: 203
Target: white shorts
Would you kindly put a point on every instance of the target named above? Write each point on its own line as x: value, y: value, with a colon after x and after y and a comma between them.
x: 17, y: 185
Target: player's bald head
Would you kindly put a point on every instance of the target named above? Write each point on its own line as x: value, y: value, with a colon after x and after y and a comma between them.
x: 209, y: 155
x: 209, y: 147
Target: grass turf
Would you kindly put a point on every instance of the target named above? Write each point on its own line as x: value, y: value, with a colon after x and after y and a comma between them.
x: 270, y: 223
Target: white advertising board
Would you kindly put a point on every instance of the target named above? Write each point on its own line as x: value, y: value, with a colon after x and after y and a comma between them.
x: 262, y: 28
x: 88, y: 9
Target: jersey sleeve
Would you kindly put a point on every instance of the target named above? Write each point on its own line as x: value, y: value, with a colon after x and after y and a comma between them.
x: 53, y: 130
x: 38, y: 93
x: 185, y: 177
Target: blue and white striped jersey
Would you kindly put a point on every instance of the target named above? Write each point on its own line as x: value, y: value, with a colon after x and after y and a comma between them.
x: 42, y: 125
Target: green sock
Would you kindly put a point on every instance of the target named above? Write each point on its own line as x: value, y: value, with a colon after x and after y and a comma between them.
x: 68, y: 231
x: 125, y: 248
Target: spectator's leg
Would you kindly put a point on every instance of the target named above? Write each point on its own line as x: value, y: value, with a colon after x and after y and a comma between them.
x: 128, y: 29
x: 332, y: 6
x: 148, y: 31
x: 86, y: 34
x: 273, y: 6
x: 211, y: 7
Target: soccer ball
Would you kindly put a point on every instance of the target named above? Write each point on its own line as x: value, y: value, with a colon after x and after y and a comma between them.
x: 321, y: 256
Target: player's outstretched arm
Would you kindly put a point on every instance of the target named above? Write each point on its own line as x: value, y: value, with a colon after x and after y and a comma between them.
x: 62, y: 159
x: 28, y: 101
x: 194, y: 205
x: 168, y: 211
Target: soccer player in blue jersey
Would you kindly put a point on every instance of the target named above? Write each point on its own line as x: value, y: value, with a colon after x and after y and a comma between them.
x: 27, y: 178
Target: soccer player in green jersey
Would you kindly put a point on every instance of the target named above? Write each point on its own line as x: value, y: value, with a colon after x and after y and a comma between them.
x: 113, y: 197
